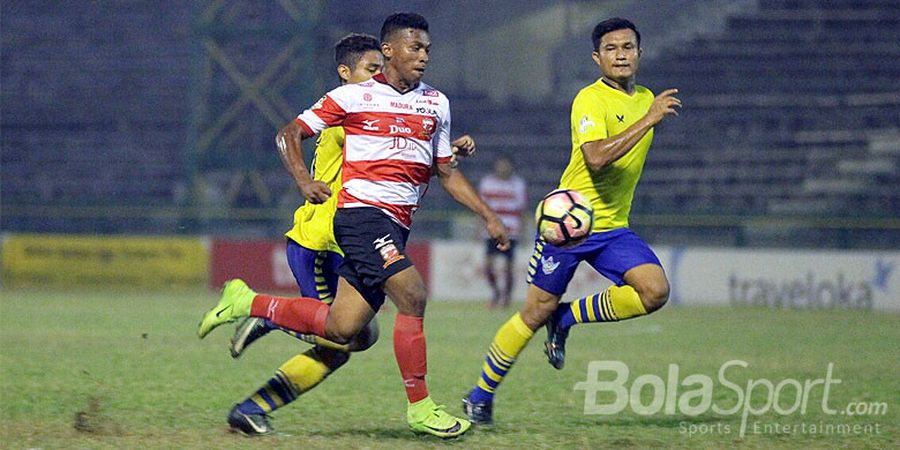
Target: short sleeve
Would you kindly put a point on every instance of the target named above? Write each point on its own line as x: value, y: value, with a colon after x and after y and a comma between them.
x: 329, y: 111
x: 588, y: 119
x: 441, y: 140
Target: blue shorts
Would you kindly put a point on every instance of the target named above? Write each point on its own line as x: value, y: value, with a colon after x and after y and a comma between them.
x: 314, y: 270
x: 611, y: 253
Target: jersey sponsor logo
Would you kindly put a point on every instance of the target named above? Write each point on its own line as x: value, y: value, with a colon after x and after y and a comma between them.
x: 400, y: 105
x: 370, y: 124
x: 548, y: 265
x: 428, y: 101
x: 396, y: 129
x: 387, y: 249
x: 319, y: 103
x: 584, y: 124
x: 621, y: 118
x: 430, y: 93
x: 425, y: 110
x: 367, y: 97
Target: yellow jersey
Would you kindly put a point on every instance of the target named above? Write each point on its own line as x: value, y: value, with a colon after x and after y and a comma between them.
x: 313, y: 224
x: 598, y: 112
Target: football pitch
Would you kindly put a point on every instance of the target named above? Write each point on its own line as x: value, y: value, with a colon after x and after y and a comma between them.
x: 123, y: 369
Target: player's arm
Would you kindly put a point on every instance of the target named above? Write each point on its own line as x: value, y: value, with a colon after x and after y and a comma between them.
x: 457, y: 185
x: 601, y: 153
x: 290, y: 148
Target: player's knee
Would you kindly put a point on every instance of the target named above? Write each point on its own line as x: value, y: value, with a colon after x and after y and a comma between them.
x: 539, y: 306
x: 366, y: 338
x: 411, y: 299
x: 654, y: 295
x: 341, y: 335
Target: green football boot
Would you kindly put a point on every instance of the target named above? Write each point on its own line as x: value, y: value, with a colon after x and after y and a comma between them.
x: 424, y: 416
x: 237, y: 298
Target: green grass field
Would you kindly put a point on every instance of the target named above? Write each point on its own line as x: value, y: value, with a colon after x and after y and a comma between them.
x: 132, y: 364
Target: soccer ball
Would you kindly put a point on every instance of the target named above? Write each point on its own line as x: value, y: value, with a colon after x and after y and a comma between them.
x: 564, y: 218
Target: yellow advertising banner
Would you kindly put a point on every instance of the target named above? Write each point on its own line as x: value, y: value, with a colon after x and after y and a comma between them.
x: 54, y: 260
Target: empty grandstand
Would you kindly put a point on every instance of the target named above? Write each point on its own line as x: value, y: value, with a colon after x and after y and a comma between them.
x: 125, y: 117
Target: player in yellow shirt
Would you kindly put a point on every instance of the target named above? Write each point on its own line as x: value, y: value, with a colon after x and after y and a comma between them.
x: 612, y: 127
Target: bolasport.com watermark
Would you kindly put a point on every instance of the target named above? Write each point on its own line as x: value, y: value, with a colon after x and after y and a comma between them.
x: 610, y: 389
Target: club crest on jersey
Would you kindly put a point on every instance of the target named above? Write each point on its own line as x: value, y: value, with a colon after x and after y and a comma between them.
x: 428, y: 125
x: 370, y: 124
x: 548, y: 265
x: 387, y: 249
x: 585, y: 123
x: 367, y: 97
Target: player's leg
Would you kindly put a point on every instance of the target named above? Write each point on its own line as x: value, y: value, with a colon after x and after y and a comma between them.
x: 550, y: 271
x: 295, y: 377
x: 307, y: 370
x: 301, y: 314
x: 316, y: 274
x: 307, y: 267
x: 509, y: 257
x: 407, y: 290
x: 490, y: 274
x: 640, y: 287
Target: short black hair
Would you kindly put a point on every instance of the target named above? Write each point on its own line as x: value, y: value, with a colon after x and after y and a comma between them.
x: 402, y: 21
x: 351, y: 48
x: 608, y: 25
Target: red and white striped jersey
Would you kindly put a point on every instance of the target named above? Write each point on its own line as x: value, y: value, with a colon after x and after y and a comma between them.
x: 507, y: 198
x: 391, y: 142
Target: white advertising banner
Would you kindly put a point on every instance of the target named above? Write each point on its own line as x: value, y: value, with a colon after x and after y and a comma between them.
x: 803, y: 279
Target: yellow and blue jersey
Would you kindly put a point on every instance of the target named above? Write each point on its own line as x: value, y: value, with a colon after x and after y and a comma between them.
x: 598, y: 112
x: 313, y: 227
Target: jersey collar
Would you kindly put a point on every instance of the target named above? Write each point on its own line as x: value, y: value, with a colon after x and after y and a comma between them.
x: 381, y: 79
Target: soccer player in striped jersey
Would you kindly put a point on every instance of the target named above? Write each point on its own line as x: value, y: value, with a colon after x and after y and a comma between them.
x: 313, y: 256
x: 505, y: 193
x: 397, y: 132
x: 612, y: 127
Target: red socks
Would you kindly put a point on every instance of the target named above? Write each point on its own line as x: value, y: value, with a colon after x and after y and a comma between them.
x: 306, y: 315
x: 303, y: 315
x: 409, y: 349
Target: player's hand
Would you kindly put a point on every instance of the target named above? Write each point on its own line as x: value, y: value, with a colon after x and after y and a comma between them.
x: 463, y: 146
x: 498, y: 232
x: 315, y: 192
x: 664, y: 105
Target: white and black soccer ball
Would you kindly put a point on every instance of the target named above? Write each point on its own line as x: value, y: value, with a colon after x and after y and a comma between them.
x: 564, y: 218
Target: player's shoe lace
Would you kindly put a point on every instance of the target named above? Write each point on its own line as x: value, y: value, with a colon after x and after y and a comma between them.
x: 249, y: 424
x: 427, y: 417
x: 479, y: 413
x: 235, y: 303
x: 555, y: 345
